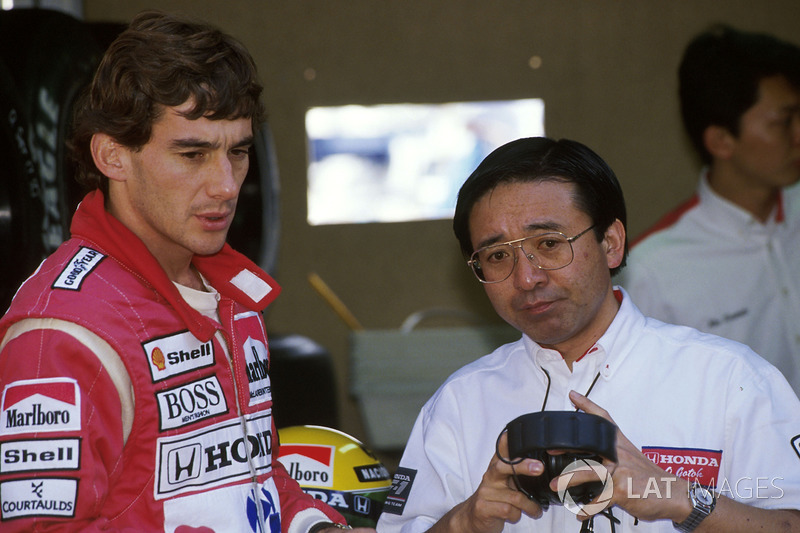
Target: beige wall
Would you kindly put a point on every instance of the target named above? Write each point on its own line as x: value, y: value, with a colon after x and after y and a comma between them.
x: 607, y: 78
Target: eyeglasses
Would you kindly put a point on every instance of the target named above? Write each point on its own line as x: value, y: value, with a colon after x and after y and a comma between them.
x: 547, y: 251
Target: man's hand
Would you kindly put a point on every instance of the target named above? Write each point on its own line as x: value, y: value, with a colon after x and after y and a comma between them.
x: 649, y: 493
x: 496, y: 501
x: 641, y: 487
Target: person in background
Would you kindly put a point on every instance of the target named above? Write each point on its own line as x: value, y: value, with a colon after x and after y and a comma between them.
x: 543, y: 225
x: 133, y: 363
x: 728, y: 260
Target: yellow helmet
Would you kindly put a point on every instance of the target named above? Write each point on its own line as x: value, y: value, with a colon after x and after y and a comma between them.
x: 336, y: 468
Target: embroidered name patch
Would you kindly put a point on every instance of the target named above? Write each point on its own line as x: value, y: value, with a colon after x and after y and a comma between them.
x: 688, y: 463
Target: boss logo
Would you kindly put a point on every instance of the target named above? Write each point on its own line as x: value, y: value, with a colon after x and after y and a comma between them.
x: 190, y: 403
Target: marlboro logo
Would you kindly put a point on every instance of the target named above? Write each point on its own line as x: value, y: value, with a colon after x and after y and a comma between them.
x: 256, y: 356
x: 310, y: 465
x: 40, y: 405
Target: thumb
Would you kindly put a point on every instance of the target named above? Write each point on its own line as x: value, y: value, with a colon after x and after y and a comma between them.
x: 588, y: 406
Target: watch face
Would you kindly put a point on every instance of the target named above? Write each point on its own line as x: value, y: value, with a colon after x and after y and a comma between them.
x: 704, y: 496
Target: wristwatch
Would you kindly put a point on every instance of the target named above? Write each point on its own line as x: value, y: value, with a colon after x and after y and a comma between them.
x: 703, y: 502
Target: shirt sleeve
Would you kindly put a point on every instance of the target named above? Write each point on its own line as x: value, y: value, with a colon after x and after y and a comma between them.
x: 762, y: 467
x: 430, y: 479
x: 61, y: 433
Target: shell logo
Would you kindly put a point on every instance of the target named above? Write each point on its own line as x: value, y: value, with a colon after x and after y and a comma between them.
x: 157, y: 356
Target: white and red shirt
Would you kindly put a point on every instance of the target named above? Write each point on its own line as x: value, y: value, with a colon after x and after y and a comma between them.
x: 131, y: 404
x: 700, y: 406
x: 711, y: 265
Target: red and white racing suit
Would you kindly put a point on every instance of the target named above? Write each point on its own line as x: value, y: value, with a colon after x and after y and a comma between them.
x: 126, y: 408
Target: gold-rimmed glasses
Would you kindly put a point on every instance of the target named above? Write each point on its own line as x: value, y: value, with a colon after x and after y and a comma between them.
x: 547, y: 251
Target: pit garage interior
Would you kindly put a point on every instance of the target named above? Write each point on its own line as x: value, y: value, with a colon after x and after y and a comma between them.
x: 605, y: 70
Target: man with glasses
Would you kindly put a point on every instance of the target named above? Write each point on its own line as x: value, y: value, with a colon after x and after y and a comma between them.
x: 542, y: 223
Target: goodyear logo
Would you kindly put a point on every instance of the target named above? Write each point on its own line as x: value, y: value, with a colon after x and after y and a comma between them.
x: 81, y: 264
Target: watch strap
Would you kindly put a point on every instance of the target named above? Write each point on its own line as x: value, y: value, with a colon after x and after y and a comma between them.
x: 699, y: 510
x: 690, y: 524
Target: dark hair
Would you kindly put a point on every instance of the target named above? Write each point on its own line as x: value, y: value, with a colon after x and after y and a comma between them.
x: 599, y: 194
x: 162, y: 60
x: 719, y: 77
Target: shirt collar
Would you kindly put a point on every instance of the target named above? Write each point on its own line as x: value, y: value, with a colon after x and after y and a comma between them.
x: 611, y: 348
x: 731, y: 215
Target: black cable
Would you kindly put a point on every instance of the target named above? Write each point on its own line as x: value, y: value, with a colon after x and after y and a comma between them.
x: 547, y: 390
x: 590, y: 386
x: 587, y: 526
